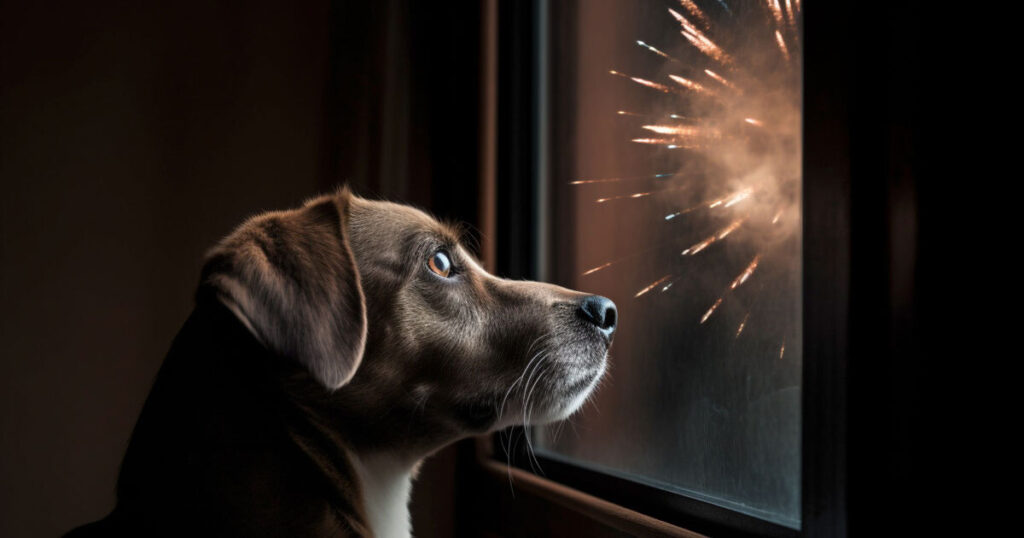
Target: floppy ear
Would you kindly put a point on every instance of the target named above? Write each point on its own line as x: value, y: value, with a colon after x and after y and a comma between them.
x: 291, y: 278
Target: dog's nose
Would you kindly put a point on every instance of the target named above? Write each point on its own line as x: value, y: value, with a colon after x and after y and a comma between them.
x: 600, y: 311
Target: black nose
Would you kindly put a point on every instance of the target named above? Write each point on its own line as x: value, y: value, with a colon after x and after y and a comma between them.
x: 600, y: 311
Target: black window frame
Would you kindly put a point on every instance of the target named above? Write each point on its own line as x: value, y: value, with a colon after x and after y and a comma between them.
x: 846, y: 248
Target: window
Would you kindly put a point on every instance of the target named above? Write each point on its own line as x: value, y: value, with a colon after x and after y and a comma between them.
x: 857, y: 288
x: 672, y: 147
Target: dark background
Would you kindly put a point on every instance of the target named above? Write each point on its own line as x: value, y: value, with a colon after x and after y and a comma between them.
x: 132, y: 137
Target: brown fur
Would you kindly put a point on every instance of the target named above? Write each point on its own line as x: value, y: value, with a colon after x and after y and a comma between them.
x: 363, y: 355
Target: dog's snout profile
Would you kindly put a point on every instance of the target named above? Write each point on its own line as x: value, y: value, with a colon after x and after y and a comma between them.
x: 601, y: 312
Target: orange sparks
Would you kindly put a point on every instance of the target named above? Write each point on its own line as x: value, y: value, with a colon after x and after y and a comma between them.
x: 753, y: 122
x: 742, y: 325
x: 732, y: 199
x: 639, y: 115
x: 699, y: 40
x: 698, y: 247
x: 672, y: 129
x: 636, y: 195
x: 690, y: 85
x: 726, y: 201
x: 652, y: 285
x: 775, y: 219
x: 686, y: 132
x: 729, y: 229
x: 643, y: 82
x: 738, y: 197
x: 656, y: 51
x: 720, y: 79
x: 711, y: 310
x: 782, y: 350
x: 782, y: 44
x: 618, y: 179
x: 671, y: 216
x: 746, y: 273
x: 776, y: 10
x: 596, y: 269
x: 695, y: 12
x: 711, y: 239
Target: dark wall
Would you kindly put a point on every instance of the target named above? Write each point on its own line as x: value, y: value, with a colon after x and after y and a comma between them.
x: 405, y: 94
x: 131, y: 138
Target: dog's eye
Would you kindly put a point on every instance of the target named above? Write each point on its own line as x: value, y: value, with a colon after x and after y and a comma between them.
x: 440, y: 263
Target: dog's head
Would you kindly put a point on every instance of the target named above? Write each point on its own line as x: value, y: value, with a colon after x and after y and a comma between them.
x: 407, y: 338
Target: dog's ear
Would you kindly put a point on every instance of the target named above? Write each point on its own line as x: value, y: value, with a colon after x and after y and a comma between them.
x: 291, y: 278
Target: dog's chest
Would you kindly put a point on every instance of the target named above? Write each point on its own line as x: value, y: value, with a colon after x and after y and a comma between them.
x: 386, y: 482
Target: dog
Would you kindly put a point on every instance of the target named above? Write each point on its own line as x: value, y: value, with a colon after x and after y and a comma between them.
x: 332, y: 348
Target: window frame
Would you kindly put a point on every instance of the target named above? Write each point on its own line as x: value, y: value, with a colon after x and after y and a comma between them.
x: 529, y: 87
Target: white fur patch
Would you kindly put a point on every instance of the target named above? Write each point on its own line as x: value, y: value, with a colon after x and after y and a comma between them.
x: 386, y: 481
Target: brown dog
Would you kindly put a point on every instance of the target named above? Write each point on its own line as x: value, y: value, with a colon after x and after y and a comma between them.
x: 332, y: 348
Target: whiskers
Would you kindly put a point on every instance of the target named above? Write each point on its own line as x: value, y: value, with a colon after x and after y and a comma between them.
x: 525, y: 383
x: 528, y: 406
x: 532, y: 391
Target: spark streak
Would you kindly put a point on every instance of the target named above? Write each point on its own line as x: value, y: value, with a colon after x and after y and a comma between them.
x: 721, y: 80
x: 712, y: 238
x: 605, y: 265
x: 695, y: 12
x: 655, y: 116
x: 699, y: 40
x: 681, y: 130
x: 776, y: 11
x: 598, y: 268
x: 782, y: 44
x: 742, y: 324
x: 656, y: 51
x: 698, y: 247
x: 727, y: 201
x: 643, y: 82
x: 636, y: 195
x: 652, y: 285
x: 667, y: 142
x: 618, y: 179
x: 710, y: 311
x: 728, y: 230
x: 689, y: 84
x: 732, y: 199
x: 738, y: 197
x: 746, y: 273
x: 685, y: 132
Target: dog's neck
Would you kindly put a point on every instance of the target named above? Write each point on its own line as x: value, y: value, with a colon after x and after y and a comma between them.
x: 217, y: 416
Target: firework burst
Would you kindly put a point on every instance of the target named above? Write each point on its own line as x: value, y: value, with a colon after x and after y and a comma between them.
x: 732, y: 107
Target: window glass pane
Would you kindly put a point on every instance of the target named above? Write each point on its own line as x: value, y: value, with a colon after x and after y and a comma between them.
x: 680, y: 201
